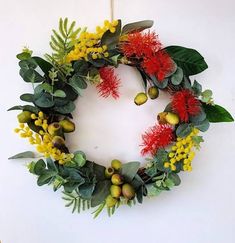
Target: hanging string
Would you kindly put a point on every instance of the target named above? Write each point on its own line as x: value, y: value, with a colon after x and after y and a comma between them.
x: 111, y: 9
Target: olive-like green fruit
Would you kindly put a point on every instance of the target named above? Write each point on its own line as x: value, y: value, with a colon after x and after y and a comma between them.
x: 67, y: 125
x: 109, y: 172
x: 117, y: 179
x: 58, y: 142
x: 24, y: 117
x: 161, y: 117
x: 172, y: 118
x: 116, y: 164
x: 128, y: 191
x: 110, y: 201
x: 153, y: 92
x: 115, y: 191
x: 55, y: 129
x: 140, y: 98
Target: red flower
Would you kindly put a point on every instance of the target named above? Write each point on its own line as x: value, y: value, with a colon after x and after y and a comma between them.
x: 158, y: 136
x: 141, y: 44
x: 159, y: 65
x: 185, y: 104
x: 109, y: 83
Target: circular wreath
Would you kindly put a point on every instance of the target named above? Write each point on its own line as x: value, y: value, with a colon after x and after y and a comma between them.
x: 80, y: 57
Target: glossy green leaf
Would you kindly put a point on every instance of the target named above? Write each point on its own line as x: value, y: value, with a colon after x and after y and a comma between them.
x: 216, y: 113
x: 25, y: 108
x: 188, y: 59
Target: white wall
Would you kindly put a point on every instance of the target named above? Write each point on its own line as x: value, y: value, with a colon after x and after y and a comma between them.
x: 202, y: 209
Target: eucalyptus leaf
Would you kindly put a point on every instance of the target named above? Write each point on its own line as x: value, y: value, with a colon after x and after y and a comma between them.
x: 177, y: 77
x: 66, y: 109
x: 44, y: 101
x: 160, y: 84
x: 46, y: 177
x: 27, y: 97
x: 203, y: 126
x: 24, y: 108
x: 197, y: 88
x: 137, y: 26
x: 129, y: 170
x: 183, y: 130
x: 102, y: 190
x: 175, y: 178
x: 59, y: 93
x: 26, y: 154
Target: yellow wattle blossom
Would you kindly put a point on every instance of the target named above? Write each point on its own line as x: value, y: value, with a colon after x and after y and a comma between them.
x: 182, y: 151
x: 89, y: 43
x: 43, y: 140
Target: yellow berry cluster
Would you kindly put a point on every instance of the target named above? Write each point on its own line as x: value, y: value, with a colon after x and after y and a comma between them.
x: 182, y: 151
x: 43, y: 140
x: 89, y: 43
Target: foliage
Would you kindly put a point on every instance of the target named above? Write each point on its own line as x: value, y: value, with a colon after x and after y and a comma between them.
x: 78, y: 59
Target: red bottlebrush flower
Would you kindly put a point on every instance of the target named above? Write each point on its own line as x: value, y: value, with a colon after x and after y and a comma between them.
x: 109, y: 84
x: 159, y: 65
x: 185, y: 104
x: 158, y: 136
x: 141, y: 44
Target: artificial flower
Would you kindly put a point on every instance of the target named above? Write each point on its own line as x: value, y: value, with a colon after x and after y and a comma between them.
x: 185, y: 104
x: 158, y: 136
x: 110, y: 83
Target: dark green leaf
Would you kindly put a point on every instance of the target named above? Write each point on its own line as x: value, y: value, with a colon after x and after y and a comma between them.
x: 66, y: 109
x: 27, y: 97
x: 112, y: 39
x: 137, y: 26
x: 44, y: 101
x: 43, y: 64
x: 188, y: 59
x: 86, y: 190
x: 27, y: 154
x: 39, y: 167
x: 129, y: 170
x: 102, y: 190
x: 25, y: 108
x: 46, y: 177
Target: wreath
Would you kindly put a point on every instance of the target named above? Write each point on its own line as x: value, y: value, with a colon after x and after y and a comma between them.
x: 80, y: 58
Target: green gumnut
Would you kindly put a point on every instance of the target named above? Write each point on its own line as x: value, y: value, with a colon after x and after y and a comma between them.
x: 55, y: 129
x: 116, y: 164
x: 115, y: 191
x: 109, y: 172
x: 128, y: 191
x: 140, y: 98
x: 58, y: 142
x: 117, y: 179
x: 153, y: 92
x: 67, y: 125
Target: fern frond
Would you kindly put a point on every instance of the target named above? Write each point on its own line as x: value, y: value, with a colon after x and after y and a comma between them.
x: 76, y: 202
x: 63, y: 40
